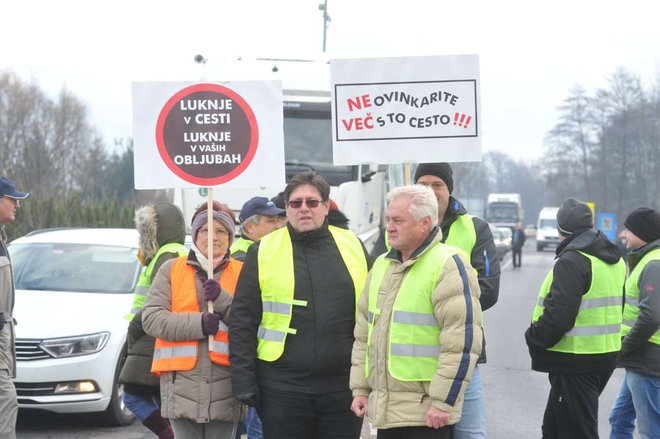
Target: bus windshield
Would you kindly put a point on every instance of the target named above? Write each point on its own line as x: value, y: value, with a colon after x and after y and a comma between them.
x: 308, y: 144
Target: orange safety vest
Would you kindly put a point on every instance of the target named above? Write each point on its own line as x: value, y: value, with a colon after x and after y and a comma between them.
x: 182, y: 355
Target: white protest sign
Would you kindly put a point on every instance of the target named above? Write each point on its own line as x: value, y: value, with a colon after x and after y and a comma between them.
x: 208, y: 134
x: 396, y: 110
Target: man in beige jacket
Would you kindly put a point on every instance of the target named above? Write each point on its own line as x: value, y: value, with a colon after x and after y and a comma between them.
x: 419, y: 326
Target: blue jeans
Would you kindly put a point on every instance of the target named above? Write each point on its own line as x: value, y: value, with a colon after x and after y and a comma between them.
x: 250, y: 425
x: 141, y: 406
x: 638, y: 398
x: 473, y: 420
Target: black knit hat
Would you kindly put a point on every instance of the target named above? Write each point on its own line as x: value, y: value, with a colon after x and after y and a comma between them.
x: 440, y: 170
x: 644, y: 223
x: 573, y: 216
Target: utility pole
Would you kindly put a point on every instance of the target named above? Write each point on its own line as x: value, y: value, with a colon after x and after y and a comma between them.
x: 326, y: 20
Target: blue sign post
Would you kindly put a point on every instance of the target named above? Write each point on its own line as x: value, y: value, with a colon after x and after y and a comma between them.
x: 607, y: 224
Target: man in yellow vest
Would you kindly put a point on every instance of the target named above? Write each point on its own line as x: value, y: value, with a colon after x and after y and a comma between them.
x: 292, y: 320
x: 419, y: 328
x: 472, y: 235
x: 639, y: 396
x: 259, y: 216
x: 574, y: 335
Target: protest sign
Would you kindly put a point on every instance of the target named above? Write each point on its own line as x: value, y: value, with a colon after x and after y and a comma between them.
x: 396, y: 110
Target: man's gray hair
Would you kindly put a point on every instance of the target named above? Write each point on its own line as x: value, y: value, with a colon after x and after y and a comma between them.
x: 422, y: 201
x: 256, y: 218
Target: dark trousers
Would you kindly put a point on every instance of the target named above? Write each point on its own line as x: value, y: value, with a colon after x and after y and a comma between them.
x: 288, y: 415
x: 572, y: 409
x: 517, y: 256
x: 417, y: 433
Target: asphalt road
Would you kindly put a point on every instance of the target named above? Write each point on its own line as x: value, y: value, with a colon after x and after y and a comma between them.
x: 515, y: 395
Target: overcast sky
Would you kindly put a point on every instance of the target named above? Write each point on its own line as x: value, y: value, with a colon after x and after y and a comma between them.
x: 531, y: 53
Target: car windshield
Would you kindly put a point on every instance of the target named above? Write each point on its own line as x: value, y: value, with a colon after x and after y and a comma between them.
x: 83, y: 268
x: 548, y: 224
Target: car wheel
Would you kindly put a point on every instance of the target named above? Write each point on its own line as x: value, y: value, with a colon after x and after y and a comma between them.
x: 539, y: 247
x: 117, y: 414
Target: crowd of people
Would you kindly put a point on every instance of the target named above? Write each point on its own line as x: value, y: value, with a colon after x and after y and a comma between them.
x: 293, y: 330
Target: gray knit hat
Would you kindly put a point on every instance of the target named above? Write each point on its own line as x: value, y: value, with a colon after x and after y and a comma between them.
x: 574, y: 216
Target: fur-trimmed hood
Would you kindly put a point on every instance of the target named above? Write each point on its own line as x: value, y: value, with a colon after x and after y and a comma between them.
x: 159, y: 224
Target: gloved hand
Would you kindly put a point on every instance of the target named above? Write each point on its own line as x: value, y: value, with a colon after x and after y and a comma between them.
x: 210, y: 323
x: 210, y: 290
x: 251, y: 399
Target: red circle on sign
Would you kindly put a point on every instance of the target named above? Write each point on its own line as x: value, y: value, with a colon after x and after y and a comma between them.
x: 212, y: 174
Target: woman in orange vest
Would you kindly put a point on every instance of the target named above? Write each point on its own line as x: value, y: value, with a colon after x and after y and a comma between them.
x: 195, y: 383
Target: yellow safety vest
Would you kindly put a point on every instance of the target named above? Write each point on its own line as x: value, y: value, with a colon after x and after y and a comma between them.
x: 240, y: 245
x: 276, y: 280
x: 631, y: 307
x: 144, y: 282
x: 414, y: 337
x: 598, y: 324
x: 462, y: 234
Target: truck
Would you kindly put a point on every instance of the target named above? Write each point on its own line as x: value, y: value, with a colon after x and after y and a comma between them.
x: 358, y: 190
x: 504, y: 210
x: 547, y: 234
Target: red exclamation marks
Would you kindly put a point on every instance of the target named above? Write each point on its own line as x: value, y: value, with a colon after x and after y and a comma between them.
x: 464, y: 120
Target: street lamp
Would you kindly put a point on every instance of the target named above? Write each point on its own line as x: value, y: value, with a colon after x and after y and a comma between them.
x: 326, y: 19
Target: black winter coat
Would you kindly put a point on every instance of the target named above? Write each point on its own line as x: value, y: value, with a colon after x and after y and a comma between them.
x: 136, y: 374
x: 317, y: 359
x: 571, y: 280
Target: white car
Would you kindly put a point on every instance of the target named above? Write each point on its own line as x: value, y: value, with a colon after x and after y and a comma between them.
x: 73, y: 289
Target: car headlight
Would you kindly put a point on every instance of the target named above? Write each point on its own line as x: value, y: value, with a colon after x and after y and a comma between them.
x: 75, y: 346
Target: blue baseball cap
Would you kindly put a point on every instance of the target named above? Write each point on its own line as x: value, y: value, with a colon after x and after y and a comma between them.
x: 7, y: 189
x: 258, y: 206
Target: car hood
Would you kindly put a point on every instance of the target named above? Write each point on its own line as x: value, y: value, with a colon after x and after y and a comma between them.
x: 49, y: 314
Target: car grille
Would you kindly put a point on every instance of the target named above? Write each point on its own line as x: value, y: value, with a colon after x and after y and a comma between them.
x: 34, y: 389
x: 29, y: 350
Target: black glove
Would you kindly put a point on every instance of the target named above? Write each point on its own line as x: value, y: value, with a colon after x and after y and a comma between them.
x: 251, y: 399
x: 2, y: 320
x: 210, y: 323
x: 210, y: 290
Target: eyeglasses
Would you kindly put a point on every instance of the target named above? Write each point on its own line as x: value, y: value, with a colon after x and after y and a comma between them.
x: 219, y: 232
x: 310, y: 202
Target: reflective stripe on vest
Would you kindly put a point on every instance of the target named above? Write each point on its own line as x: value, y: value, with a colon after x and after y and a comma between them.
x: 414, y: 331
x: 240, y: 245
x: 631, y: 308
x: 598, y: 323
x: 462, y: 234
x: 144, y: 282
x: 182, y: 355
x: 277, y: 284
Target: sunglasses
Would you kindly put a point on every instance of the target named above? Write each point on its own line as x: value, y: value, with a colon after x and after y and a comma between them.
x: 310, y: 202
